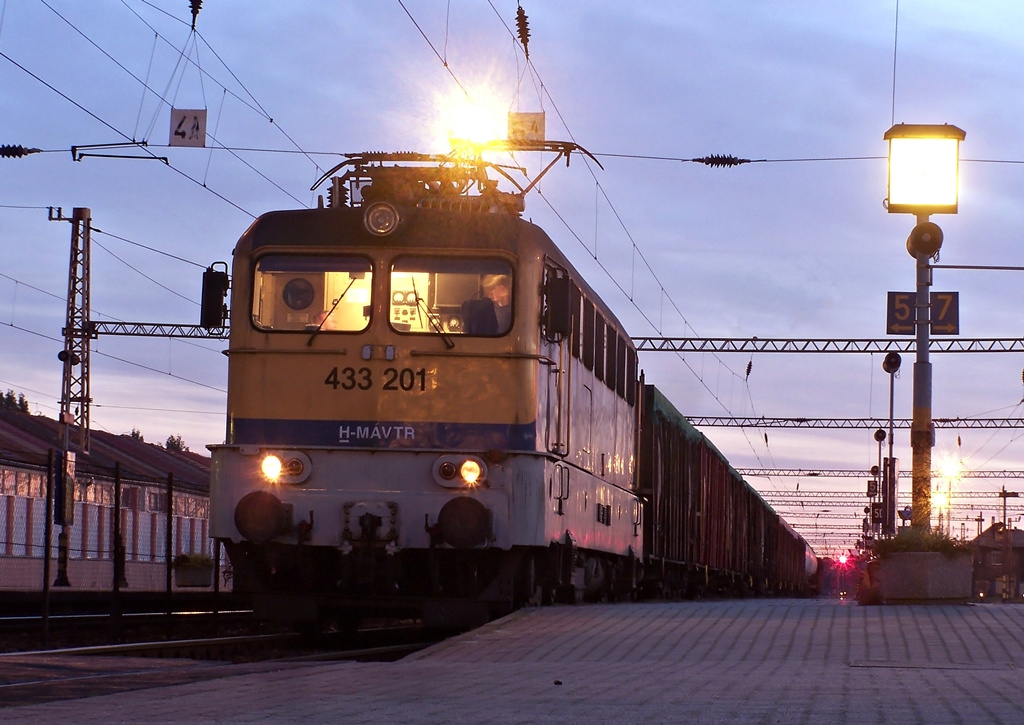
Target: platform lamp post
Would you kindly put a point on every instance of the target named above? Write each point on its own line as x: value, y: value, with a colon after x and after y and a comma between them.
x: 891, y: 365
x: 923, y: 168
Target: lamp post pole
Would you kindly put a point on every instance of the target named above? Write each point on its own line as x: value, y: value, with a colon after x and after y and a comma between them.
x: 922, y: 433
x: 891, y: 365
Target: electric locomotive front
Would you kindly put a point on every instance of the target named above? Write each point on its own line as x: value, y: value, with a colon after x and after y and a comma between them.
x: 390, y: 405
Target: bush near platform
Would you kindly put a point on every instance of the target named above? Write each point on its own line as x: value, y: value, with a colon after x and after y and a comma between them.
x: 917, y: 566
x: 910, y: 539
x: 193, y: 561
x: 193, y: 570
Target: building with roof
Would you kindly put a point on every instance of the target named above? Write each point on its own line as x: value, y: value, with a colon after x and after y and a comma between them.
x: 148, y: 473
x: 998, y: 554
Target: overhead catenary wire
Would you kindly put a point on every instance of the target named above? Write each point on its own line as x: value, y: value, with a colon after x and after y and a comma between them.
x: 162, y: 96
x: 135, y: 269
x: 662, y: 288
x: 635, y: 248
x: 60, y: 341
x: 538, y: 49
x: 120, y: 133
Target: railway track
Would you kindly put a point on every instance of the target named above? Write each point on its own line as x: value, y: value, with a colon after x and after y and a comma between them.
x: 77, y: 619
x: 47, y: 676
x: 20, y: 633
x: 280, y: 647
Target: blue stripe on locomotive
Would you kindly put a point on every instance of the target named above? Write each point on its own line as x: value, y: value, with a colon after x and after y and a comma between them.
x: 384, y: 434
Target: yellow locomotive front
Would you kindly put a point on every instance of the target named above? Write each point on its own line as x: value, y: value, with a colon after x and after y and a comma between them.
x: 389, y: 404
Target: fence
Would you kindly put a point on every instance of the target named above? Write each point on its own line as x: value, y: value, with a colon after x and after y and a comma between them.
x: 144, y: 524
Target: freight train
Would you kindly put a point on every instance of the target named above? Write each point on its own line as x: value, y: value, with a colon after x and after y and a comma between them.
x: 430, y: 412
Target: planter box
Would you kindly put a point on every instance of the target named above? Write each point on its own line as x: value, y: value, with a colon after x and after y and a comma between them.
x: 201, y: 576
x: 925, y: 576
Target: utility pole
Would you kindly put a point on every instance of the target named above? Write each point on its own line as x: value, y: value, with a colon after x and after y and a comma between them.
x: 75, y: 398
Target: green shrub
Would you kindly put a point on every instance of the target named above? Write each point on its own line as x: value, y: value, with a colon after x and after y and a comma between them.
x: 910, y: 539
x: 193, y: 561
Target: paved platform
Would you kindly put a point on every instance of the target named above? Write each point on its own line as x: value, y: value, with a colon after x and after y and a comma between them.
x: 749, y: 661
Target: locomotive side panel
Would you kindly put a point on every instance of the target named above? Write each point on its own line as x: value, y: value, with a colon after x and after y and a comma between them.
x: 590, y: 419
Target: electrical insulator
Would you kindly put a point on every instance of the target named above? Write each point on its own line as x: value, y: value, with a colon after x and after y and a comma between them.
x: 523, y: 29
x: 195, y: 5
x: 337, y: 194
x: 16, y: 152
x: 720, y: 160
x: 750, y: 366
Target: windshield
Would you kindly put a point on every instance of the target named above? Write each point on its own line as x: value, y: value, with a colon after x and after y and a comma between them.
x: 307, y: 292
x: 451, y: 295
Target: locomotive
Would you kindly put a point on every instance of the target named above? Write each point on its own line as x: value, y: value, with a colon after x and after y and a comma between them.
x: 429, y: 410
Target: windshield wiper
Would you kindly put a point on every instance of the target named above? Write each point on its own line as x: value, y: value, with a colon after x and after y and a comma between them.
x: 320, y: 327
x: 421, y: 306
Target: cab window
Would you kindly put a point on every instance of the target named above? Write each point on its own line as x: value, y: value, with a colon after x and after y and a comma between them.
x: 310, y: 292
x: 451, y: 295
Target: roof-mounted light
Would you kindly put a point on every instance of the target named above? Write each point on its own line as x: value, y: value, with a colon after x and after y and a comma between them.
x: 381, y: 218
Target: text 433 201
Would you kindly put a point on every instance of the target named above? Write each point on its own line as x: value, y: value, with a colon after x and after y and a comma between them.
x: 407, y: 379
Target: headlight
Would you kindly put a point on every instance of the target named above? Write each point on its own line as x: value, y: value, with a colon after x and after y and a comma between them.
x: 381, y: 218
x: 460, y: 471
x: 471, y: 471
x: 271, y: 467
x: 291, y: 467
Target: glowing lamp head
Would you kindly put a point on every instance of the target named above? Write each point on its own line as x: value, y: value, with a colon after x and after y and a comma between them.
x: 951, y: 469
x: 468, y: 125
x: 843, y: 559
x: 470, y: 472
x: 271, y: 467
x: 923, y: 168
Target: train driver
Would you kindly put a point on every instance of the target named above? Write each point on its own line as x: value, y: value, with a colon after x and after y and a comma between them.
x: 325, y: 320
x: 498, y: 289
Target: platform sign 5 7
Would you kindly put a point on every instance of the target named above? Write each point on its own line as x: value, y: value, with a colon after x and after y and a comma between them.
x: 945, y: 313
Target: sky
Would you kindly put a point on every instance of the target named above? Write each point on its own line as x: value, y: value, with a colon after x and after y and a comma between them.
x: 795, y: 246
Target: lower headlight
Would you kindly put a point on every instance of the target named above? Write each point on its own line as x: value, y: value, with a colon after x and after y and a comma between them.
x: 271, y: 467
x: 460, y: 471
x: 471, y: 471
x: 292, y: 467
